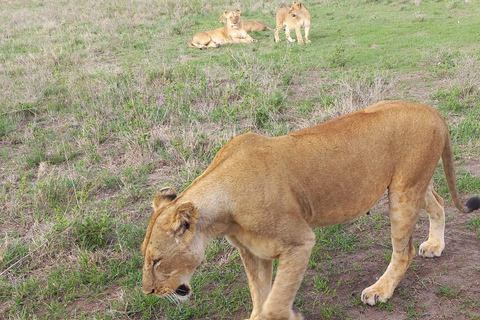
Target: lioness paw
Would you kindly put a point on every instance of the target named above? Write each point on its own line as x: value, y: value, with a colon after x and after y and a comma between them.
x: 372, y: 296
x: 279, y: 315
x: 430, y: 250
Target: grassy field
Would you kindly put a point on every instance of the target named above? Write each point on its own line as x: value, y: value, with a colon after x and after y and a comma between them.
x: 102, y: 103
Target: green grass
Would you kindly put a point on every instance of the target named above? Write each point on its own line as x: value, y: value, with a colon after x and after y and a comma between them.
x: 474, y: 224
x: 103, y: 103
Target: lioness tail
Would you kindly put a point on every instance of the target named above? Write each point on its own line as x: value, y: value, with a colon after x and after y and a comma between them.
x: 447, y: 159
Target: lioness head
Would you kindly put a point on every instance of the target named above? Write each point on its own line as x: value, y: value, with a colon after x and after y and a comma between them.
x: 295, y: 9
x: 170, y: 254
x: 231, y: 18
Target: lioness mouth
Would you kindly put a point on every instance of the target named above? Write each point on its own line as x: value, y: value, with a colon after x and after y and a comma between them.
x: 183, y: 290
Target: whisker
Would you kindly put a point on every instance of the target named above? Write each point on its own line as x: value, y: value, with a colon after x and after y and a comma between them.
x: 172, y: 297
x: 168, y: 298
x: 177, y: 299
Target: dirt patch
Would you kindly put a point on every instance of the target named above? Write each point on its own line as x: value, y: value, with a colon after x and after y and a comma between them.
x: 447, y: 287
x: 471, y: 166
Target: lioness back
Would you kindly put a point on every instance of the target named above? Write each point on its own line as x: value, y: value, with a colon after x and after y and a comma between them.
x: 255, y: 26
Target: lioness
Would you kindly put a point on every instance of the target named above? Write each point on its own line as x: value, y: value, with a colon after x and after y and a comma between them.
x: 265, y: 194
x: 251, y: 25
x: 255, y: 25
x: 293, y: 18
x: 232, y: 32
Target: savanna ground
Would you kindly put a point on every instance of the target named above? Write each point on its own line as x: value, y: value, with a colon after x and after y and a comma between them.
x: 102, y: 103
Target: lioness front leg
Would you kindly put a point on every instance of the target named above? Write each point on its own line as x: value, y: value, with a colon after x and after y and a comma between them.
x: 435, y: 244
x: 298, y: 32
x: 248, y: 39
x: 403, y: 216
x: 293, y: 262
x: 259, y: 274
x: 287, y: 34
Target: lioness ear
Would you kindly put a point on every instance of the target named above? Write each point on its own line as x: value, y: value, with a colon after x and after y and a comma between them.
x: 163, y: 196
x: 184, y: 219
x: 239, y: 11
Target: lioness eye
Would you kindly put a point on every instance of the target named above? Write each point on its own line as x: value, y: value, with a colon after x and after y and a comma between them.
x: 156, y: 261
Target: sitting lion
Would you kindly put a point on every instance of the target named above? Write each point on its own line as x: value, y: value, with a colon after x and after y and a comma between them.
x: 265, y: 194
x: 232, y: 32
x: 293, y: 18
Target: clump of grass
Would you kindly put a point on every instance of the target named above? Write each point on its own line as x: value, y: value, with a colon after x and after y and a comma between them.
x: 447, y: 291
x: 93, y: 232
x: 338, y: 58
x: 452, y: 100
x: 12, y: 253
x: 474, y: 223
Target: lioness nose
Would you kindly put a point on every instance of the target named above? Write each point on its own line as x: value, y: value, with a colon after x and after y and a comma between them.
x: 147, y: 291
x: 183, y: 290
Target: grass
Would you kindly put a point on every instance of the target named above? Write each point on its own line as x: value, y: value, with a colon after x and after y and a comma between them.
x: 102, y: 103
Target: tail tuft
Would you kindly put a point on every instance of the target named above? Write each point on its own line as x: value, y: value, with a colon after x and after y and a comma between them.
x: 473, y: 204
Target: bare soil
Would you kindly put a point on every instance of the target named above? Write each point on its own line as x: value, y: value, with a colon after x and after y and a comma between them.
x: 419, y: 295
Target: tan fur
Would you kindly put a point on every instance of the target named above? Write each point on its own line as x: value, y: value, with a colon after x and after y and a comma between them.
x: 249, y: 26
x: 232, y: 32
x: 255, y: 26
x: 295, y: 17
x: 265, y: 194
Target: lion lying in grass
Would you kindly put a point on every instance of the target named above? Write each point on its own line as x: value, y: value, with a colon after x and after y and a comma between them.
x: 293, y: 18
x: 250, y: 25
x: 266, y: 194
x: 255, y: 26
x: 232, y: 32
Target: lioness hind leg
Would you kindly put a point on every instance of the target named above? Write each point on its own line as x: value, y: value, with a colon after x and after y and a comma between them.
x: 404, y: 212
x: 307, y: 34
x: 435, y: 244
x: 276, y: 31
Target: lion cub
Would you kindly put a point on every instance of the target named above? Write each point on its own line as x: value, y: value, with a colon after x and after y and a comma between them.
x: 293, y: 18
x: 232, y: 32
